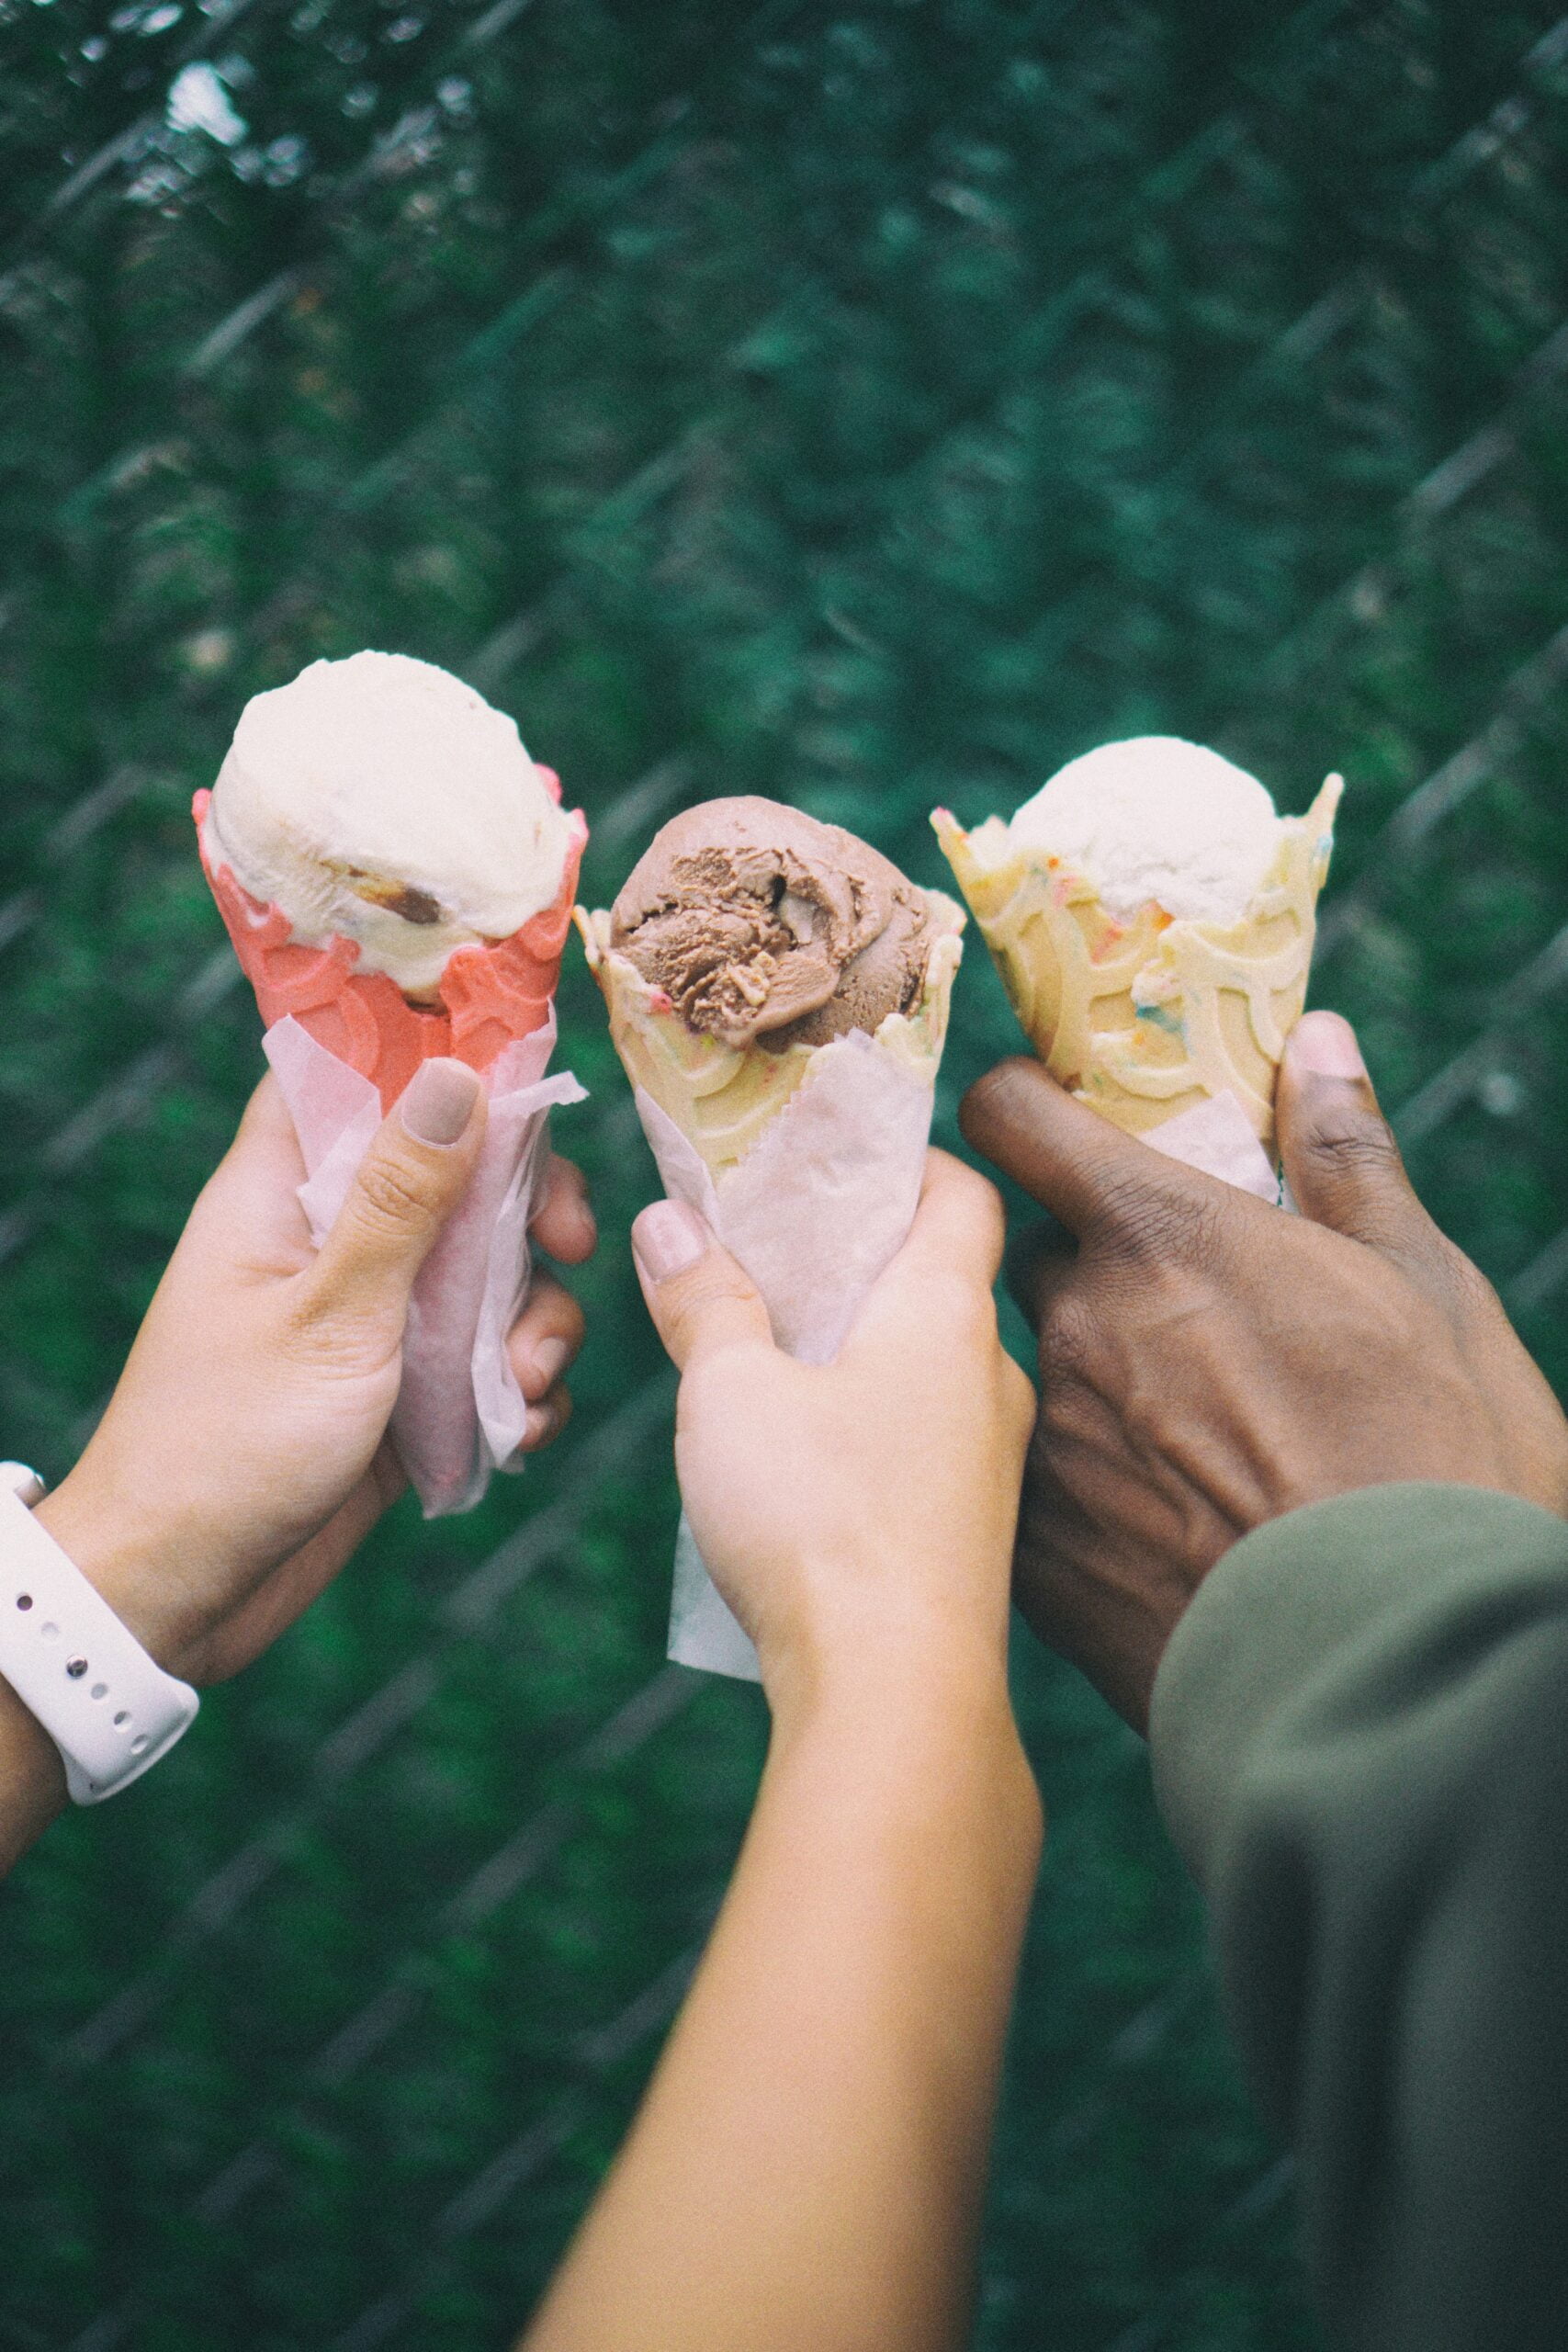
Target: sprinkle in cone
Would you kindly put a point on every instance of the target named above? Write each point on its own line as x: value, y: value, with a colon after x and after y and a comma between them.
x: 1148, y: 1019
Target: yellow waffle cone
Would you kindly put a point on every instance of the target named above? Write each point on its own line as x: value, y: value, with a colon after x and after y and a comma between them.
x: 721, y: 1098
x: 1147, y: 1019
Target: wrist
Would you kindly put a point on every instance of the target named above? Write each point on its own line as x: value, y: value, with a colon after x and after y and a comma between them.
x: 85, y: 1709
x: 940, y: 1766
x: 125, y: 1558
x: 921, y: 1688
x: 855, y: 1636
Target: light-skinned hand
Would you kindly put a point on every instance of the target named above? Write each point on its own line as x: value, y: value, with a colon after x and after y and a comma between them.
x: 1208, y: 1362
x: 856, y: 1516
x: 807, y: 2165
x: 243, y: 1455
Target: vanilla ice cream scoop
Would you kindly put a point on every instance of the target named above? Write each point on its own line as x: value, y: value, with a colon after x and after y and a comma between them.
x: 1152, y: 918
x: 1157, y: 820
x: 380, y: 799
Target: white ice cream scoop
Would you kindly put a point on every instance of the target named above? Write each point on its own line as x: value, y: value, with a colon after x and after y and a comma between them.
x: 1155, y: 818
x: 381, y: 798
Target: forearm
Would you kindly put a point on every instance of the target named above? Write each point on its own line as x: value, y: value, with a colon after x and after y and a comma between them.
x: 808, y: 2163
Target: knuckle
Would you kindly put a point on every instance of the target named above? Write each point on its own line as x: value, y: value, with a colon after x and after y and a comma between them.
x: 714, y: 1281
x: 1354, y: 1145
x: 1067, y: 1342
x: 1208, y: 1224
x: 1157, y: 1428
x: 391, y: 1195
x: 1068, y: 1422
x: 1123, y: 1201
x: 1165, y: 1229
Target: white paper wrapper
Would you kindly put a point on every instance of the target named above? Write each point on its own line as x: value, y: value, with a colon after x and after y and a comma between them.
x: 814, y: 1212
x: 1217, y: 1137
x: 459, y: 1413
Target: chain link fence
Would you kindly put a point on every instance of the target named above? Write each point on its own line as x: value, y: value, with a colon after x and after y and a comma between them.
x: 870, y: 405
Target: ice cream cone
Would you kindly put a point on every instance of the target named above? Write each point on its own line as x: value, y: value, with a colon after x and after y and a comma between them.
x: 778, y: 993
x: 1151, y: 1017
x: 722, y: 1098
x: 397, y: 876
x: 488, y: 996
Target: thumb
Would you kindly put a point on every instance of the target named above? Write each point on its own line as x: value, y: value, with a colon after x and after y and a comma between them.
x: 1101, y: 1184
x: 1339, y: 1155
x: 407, y: 1186
x: 699, y: 1298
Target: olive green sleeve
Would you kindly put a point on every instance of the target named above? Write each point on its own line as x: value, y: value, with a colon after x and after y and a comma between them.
x: 1360, y: 1743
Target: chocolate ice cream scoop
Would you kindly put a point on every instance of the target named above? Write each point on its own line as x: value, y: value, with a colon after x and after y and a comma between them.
x: 759, y: 923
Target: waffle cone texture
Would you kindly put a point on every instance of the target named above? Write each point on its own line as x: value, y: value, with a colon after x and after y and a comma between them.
x: 1146, y: 1019
x: 489, y: 997
x: 722, y: 1098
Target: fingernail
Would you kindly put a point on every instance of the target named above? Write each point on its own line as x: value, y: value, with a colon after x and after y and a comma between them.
x: 440, y: 1102
x: 668, y: 1238
x: 1324, y: 1044
x: 551, y: 1360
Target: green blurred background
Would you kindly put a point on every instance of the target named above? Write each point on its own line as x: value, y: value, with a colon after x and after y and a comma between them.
x: 871, y: 405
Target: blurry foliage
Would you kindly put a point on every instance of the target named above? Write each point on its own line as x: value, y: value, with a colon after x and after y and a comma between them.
x: 870, y: 405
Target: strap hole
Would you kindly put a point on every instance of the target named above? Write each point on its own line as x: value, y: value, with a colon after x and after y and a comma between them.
x: 100, y: 1690
x: 24, y: 1600
x: 123, y: 1717
x: 49, y: 1633
x: 76, y: 1668
x: 138, y: 1743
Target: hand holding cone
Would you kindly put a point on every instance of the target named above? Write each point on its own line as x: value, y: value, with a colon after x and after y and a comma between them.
x: 371, y: 824
x: 745, y: 925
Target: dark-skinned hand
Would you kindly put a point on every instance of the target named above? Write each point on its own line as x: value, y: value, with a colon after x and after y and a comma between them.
x: 1208, y: 1362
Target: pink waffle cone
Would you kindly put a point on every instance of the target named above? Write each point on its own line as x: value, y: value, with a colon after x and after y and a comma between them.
x: 490, y: 996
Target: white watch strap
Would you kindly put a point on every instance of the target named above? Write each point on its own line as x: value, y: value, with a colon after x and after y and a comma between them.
x: 110, y: 1709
